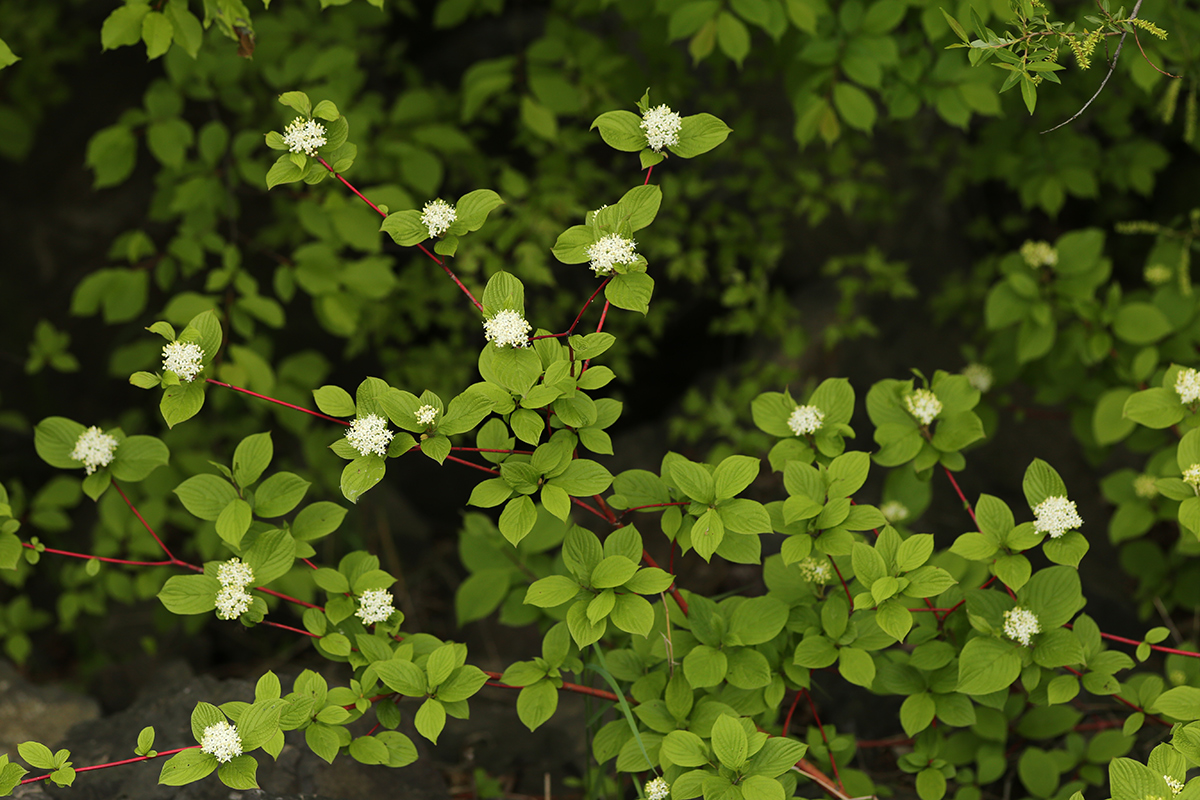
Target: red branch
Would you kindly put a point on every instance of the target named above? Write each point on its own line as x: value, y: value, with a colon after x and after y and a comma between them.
x: 961, y: 496
x: 146, y: 525
x: 99, y: 558
x: 1134, y: 642
x: 289, y: 628
x: 816, y: 718
x: 279, y: 402
x: 420, y: 246
x: 117, y: 763
x: 578, y: 316
x: 569, y: 687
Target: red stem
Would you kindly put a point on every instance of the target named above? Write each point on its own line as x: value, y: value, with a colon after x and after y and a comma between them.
x: 595, y: 511
x: 578, y: 316
x: 656, y: 505
x: 569, y: 687
x: 1134, y: 642
x: 146, y: 525
x: 420, y: 246
x: 279, y: 402
x: 816, y: 718
x: 289, y: 628
x: 289, y: 599
x: 458, y: 460
x: 100, y: 558
x: 683, y: 606
x: 117, y: 763
x: 961, y: 496
x: 843, y: 580
x: 1118, y: 697
x: 649, y: 172
x: 787, y: 720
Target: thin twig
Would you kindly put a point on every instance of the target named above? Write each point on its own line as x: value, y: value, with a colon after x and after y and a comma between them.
x: 1111, y: 68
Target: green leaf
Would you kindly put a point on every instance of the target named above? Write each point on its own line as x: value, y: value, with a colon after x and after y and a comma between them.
x: 536, y: 703
x: 631, y: 291
x: 123, y: 26
x: 729, y: 741
x: 37, y: 755
x: 551, y: 591
x: 316, y: 520
x: 733, y: 37
x: 517, y: 519
x: 854, y: 106
x: 157, y: 33
x: 705, y: 666
x: 182, y: 402
x: 252, y: 456
x: 430, y: 719
x: 686, y: 749
x: 987, y: 665
x: 1155, y: 408
x: 187, y: 767
x: 583, y: 478
x: 1181, y: 703
x: 189, y: 594
x: 7, y: 57
x: 404, y: 677
x: 916, y: 712
x: 856, y: 666
x: 632, y: 614
x: 279, y: 494
x: 1141, y: 323
x: 621, y: 130
x: 334, y: 401
x: 698, y: 134
x: 360, y: 475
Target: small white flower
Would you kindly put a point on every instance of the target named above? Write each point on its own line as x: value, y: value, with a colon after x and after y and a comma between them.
x: 369, y: 434
x: 1192, y: 475
x: 1176, y: 786
x: 1144, y: 486
x: 924, y: 405
x: 979, y: 376
x: 1039, y: 254
x: 1020, y: 625
x: 507, y: 328
x: 658, y: 789
x: 235, y: 573
x: 94, y: 448
x: 1187, y: 385
x: 426, y: 414
x: 815, y: 570
x: 437, y: 216
x: 232, y: 602
x: 375, y: 605
x: 221, y: 740
x: 304, y: 136
x: 609, y: 250
x: 1157, y: 274
x: 894, y: 511
x: 661, y: 125
x: 806, y: 419
x: 1055, y: 516
x: 183, y: 358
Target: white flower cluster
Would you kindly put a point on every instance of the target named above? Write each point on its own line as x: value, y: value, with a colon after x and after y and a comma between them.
x: 1039, y: 254
x: 894, y: 511
x: 1176, y: 786
x: 609, y: 250
x: 1055, y: 516
x: 232, y: 598
x: 438, y: 216
x: 221, y: 740
x: 374, y: 605
x: 924, y: 405
x: 304, y: 136
x: 183, y: 358
x: 658, y: 789
x: 507, y: 328
x: 1144, y: 486
x: 1191, y: 475
x: 426, y: 414
x: 806, y: 419
x: 979, y: 376
x: 661, y: 125
x: 369, y: 434
x: 1021, y: 624
x: 94, y: 448
x: 1187, y: 385
x: 815, y: 570
x: 1157, y: 274
x: 235, y: 573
